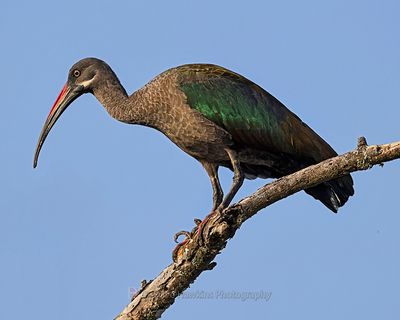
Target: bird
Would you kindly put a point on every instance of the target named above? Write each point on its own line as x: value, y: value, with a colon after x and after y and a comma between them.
x: 217, y: 116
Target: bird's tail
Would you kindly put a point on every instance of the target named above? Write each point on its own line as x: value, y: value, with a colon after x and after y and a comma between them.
x: 333, y: 193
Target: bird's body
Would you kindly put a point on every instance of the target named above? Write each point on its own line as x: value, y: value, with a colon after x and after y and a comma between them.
x: 218, y: 117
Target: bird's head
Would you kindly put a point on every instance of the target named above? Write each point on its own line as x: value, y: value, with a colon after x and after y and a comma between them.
x: 83, y: 77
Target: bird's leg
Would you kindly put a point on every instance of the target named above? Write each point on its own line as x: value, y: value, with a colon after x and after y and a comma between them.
x: 212, y: 171
x: 238, y: 178
x: 218, y: 205
x: 218, y: 194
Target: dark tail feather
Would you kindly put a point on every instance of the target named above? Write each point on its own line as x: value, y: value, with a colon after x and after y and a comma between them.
x: 334, y: 193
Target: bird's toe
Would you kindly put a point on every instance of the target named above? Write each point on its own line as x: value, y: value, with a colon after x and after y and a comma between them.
x: 187, y: 235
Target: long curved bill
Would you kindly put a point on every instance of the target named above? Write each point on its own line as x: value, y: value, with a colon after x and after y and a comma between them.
x: 64, y: 99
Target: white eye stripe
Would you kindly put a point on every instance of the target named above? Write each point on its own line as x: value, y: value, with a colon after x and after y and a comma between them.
x: 86, y: 83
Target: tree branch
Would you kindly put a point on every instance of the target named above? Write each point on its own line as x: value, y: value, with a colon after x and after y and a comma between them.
x: 198, y: 253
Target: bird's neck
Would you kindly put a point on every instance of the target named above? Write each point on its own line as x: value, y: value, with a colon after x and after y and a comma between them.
x: 133, y: 109
x: 113, y: 97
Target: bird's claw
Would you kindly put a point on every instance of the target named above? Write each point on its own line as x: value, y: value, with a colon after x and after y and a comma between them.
x: 197, y: 231
x: 175, y: 252
x: 187, y: 234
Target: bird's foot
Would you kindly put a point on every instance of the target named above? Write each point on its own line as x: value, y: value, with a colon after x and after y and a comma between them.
x: 197, y: 231
x: 188, y: 236
x: 201, y: 224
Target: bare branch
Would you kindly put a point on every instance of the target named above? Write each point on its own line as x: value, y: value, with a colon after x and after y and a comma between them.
x: 198, y: 253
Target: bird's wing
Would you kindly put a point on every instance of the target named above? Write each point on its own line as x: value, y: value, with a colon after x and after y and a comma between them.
x: 252, y: 116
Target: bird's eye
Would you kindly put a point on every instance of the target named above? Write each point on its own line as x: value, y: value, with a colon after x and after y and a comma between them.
x: 77, y: 73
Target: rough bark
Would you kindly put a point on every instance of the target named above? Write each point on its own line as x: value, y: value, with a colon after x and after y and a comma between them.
x: 198, y: 253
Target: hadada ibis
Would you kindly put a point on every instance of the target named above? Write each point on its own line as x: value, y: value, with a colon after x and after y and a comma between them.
x: 215, y: 115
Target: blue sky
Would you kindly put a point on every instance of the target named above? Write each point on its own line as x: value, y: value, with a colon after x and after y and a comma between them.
x: 98, y: 214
